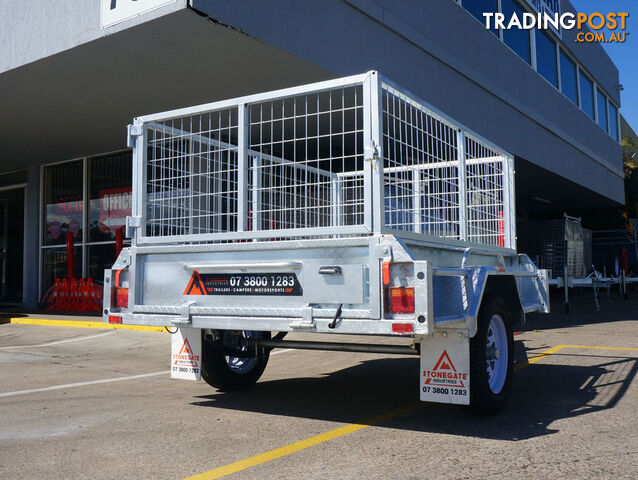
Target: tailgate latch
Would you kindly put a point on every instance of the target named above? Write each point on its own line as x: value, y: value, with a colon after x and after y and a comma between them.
x: 307, y: 320
x: 184, y: 313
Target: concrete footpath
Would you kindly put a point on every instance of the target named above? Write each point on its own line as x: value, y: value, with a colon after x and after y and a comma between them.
x: 98, y: 403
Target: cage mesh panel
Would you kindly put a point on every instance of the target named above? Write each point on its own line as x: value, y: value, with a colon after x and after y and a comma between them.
x: 420, y: 168
x: 305, y: 169
x: 192, y: 174
x: 485, y: 194
x: 306, y: 165
x: 421, y: 175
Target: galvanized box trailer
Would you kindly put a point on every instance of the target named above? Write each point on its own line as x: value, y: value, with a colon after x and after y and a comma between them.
x: 347, y: 206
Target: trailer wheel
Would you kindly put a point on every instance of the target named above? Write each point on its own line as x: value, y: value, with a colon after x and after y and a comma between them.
x: 491, y: 357
x: 228, y: 373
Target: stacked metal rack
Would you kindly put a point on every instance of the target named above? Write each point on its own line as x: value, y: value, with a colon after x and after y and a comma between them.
x: 566, y: 249
x: 556, y: 244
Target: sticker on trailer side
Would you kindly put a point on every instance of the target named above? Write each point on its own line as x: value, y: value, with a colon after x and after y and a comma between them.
x: 186, y: 353
x: 283, y: 284
x: 445, y: 368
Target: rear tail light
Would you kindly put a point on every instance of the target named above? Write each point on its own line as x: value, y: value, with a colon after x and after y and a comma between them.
x: 402, y: 300
x: 115, y: 319
x: 120, y: 289
x: 121, y: 297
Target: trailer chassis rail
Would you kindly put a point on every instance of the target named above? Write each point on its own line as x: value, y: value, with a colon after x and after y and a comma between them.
x: 332, y: 346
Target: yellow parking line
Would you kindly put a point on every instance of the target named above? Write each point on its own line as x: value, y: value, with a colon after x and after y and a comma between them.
x: 560, y: 347
x: 538, y: 357
x: 324, y: 437
x: 79, y: 323
x: 601, y: 348
x: 301, y: 445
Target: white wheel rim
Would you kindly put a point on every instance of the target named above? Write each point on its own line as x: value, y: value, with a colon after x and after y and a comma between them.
x: 496, y: 353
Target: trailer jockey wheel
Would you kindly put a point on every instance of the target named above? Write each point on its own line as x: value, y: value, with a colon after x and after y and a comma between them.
x: 226, y: 372
x: 491, y: 357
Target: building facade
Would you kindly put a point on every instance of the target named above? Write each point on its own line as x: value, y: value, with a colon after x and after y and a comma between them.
x: 74, y: 73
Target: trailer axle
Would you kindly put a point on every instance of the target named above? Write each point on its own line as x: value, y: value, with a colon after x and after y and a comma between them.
x: 332, y: 346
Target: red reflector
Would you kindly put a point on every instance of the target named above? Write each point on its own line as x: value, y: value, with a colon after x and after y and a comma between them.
x: 115, y: 319
x: 121, y: 297
x: 401, y: 300
x: 385, y: 267
x: 402, y: 328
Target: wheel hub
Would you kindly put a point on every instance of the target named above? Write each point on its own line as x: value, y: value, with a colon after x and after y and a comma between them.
x: 492, y: 352
x: 496, y: 354
x: 241, y: 365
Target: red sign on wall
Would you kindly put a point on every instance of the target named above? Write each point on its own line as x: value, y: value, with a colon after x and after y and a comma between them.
x: 115, y: 206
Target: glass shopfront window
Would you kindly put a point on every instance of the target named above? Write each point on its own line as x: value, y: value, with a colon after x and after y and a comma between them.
x: 100, y: 257
x: 90, y: 198
x: 109, y: 195
x: 11, y: 243
x: 63, y: 203
x: 55, y: 264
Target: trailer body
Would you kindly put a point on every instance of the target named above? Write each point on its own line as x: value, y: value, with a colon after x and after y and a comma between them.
x: 343, y: 207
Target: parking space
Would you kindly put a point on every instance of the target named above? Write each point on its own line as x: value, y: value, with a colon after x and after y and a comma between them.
x: 94, y: 403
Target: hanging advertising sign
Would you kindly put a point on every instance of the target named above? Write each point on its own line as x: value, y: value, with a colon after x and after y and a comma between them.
x: 115, y: 206
x: 116, y: 11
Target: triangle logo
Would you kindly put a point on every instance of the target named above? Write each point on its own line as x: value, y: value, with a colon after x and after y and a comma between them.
x: 444, y: 373
x: 186, y: 348
x: 195, y: 285
x: 185, y: 355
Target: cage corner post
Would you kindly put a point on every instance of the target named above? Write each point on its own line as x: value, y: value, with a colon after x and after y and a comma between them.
x: 373, y: 152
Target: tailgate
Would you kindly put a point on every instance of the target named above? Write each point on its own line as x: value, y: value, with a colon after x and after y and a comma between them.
x: 260, y: 279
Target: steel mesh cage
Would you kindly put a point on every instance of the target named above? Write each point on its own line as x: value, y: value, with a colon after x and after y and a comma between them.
x: 439, y: 179
x: 421, y: 180
x: 192, y: 174
x: 485, y: 175
x: 311, y: 162
x: 301, y: 151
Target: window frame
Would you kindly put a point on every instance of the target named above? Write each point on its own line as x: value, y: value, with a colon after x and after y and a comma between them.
x: 600, y: 93
x: 559, y: 50
x: 616, y: 119
x: 593, y: 94
x: 551, y: 38
x: 84, y: 243
x: 570, y: 58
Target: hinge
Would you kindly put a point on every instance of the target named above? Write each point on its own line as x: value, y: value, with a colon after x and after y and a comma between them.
x: 371, y: 154
x: 131, y: 224
x: 132, y: 132
x: 383, y: 251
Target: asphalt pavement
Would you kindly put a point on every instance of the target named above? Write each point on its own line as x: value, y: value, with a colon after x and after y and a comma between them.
x: 80, y: 403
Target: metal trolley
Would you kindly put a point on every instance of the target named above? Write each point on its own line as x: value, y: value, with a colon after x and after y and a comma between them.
x: 347, y: 206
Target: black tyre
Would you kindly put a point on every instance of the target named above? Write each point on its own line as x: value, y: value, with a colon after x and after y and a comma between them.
x: 228, y: 373
x: 491, y: 357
